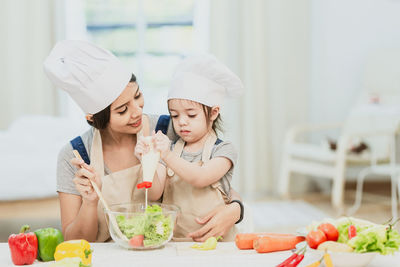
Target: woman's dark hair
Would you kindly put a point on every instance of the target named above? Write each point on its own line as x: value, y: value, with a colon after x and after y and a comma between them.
x: 102, y: 118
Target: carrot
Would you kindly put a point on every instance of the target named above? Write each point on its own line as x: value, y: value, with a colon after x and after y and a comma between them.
x: 245, y: 240
x: 276, y: 243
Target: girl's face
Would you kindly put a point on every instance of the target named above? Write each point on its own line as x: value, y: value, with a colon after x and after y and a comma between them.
x: 126, y: 111
x: 189, y: 119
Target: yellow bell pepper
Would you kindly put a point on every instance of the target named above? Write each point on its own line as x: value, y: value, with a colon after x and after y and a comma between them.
x: 328, y: 260
x: 74, y: 248
x: 69, y: 262
x: 314, y: 264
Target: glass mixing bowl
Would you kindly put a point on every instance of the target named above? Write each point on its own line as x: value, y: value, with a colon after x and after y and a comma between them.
x: 144, y: 228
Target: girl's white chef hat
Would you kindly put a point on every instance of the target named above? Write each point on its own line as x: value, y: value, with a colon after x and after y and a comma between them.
x: 204, y: 79
x: 91, y: 75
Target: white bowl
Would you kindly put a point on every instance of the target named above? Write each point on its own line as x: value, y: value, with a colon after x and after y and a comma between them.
x: 136, y: 212
x: 345, y: 259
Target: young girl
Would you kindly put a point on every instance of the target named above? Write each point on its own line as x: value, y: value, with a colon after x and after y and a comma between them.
x: 199, y: 165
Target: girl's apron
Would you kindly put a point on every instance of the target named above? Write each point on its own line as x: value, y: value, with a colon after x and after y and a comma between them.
x: 117, y: 187
x: 194, y: 202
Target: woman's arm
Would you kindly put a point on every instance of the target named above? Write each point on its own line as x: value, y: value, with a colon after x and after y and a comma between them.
x: 78, y: 218
x: 79, y: 213
x: 219, y: 221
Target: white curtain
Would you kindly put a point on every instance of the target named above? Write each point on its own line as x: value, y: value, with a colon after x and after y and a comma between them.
x: 266, y: 42
x: 26, y: 37
x: 71, y: 25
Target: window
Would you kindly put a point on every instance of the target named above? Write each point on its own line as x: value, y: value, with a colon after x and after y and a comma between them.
x: 149, y: 36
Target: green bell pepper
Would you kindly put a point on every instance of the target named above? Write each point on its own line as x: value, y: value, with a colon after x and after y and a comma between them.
x: 48, y: 239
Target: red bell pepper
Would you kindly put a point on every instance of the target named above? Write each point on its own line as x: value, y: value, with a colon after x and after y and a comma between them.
x: 295, y: 259
x: 288, y: 260
x: 23, y: 247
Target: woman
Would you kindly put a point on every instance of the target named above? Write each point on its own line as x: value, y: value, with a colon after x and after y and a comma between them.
x: 113, y: 102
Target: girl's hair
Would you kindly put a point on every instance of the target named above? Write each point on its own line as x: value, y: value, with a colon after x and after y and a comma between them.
x: 102, y: 118
x: 217, y: 123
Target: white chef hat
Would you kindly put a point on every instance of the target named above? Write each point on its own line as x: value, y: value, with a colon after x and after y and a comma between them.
x: 204, y: 79
x: 91, y: 75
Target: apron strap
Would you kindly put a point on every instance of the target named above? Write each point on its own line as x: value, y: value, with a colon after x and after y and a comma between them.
x: 77, y: 144
x: 206, y: 154
x: 96, y: 151
x: 178, y: 148
x: 144, y: 132
x: 208, y: 147
x: 162, y: 124
x: 205, y: 157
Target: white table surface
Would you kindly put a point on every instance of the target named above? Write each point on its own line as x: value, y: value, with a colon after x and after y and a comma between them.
x: 180, y: 254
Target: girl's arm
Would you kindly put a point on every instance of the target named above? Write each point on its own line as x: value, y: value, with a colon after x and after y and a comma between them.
x: 157, y: 188
x: 191, y: 172
x: 198, y: 176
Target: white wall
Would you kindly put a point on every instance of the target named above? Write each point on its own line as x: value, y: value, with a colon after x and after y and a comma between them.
x: 26, y: 37
x: 344, y: 36
x: 267, y: 44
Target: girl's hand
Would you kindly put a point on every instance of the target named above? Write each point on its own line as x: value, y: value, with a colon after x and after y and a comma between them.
x: 143, y: 145
x: 217, y: 223
x: 162, y: 144
x: 82, y: 183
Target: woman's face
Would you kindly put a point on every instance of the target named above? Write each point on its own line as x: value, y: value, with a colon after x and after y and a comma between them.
x: 126, y: 111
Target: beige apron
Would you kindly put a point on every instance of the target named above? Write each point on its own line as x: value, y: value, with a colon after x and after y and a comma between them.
x: 194, y: 202
x: 117, y: 187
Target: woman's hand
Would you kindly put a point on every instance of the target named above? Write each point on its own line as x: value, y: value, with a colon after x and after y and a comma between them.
x: 82, y: 183
x: 162, y: 144
x: 217, y: 223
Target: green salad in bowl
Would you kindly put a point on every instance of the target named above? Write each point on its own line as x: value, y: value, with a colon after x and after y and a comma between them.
x: 144, y: 227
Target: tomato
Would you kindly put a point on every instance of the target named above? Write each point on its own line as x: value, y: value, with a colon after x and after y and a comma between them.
x: 330, y: 231
x: 136, y: 241
x: 352, y: 231
x: 315, y: 237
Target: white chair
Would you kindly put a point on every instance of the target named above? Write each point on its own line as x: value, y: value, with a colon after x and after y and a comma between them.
x: 392, y: 170
x: 366, y: 122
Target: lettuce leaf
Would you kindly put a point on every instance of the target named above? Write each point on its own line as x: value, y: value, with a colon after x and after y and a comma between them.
x: 393, y: 241
x: 342, y: 225
x: 153, y: 224
x: 159, y: 226
x: 370, y: 239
